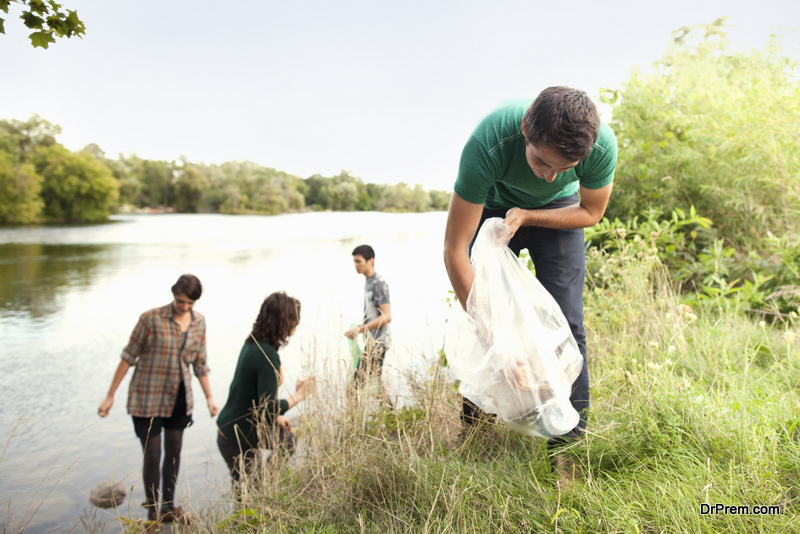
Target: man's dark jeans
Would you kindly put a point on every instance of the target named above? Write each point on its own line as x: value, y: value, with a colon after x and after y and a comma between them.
x: 559, y: 259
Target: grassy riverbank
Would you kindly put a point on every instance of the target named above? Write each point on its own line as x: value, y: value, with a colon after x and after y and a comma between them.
x: 689, y: 407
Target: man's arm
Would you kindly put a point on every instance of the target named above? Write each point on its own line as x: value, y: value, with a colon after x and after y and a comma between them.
x: 462, y: 222
x: 583, y: 215
x: 384, y: 318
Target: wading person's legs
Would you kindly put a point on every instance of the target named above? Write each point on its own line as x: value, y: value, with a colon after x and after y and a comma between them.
x: 148, y: 430
x: 173, y: 441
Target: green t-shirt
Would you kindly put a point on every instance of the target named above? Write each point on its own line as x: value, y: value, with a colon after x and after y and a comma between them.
x: 255, y: 382
x: 494, y: 171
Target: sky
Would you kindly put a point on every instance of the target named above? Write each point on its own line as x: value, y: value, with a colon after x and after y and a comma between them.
x: 389, y: 91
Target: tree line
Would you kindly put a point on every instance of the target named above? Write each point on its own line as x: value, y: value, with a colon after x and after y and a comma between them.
x: 41, y: 180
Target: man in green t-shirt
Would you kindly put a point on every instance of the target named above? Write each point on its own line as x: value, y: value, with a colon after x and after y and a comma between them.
x: 546, y: 168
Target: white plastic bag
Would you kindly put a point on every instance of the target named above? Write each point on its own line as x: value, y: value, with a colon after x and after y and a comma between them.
x: 513, y: 350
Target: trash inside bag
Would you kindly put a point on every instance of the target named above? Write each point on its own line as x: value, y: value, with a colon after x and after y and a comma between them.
x: 513, y: 350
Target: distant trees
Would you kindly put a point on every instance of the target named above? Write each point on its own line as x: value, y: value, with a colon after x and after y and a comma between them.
x: 189, y: 189
x: 40, y: 180
x: 20, y: 188
x: 75, y: 187
x: 348, y: 193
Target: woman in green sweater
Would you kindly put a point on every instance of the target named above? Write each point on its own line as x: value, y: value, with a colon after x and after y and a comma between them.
x: 253, y: 397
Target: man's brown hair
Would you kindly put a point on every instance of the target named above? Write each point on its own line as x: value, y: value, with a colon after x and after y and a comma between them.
x: 565, y: 120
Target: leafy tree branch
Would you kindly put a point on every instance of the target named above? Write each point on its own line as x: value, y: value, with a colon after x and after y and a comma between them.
x: 47, y: 18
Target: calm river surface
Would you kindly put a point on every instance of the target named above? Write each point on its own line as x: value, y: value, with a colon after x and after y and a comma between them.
x: 70, y: 296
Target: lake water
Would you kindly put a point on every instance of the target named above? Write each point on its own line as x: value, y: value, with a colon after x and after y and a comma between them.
x: 70, y: 296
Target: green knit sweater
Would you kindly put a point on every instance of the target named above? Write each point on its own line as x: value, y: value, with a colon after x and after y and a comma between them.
x: 254, y: 386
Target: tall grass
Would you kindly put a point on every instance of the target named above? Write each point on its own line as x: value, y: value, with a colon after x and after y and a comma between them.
x: 689, y: 407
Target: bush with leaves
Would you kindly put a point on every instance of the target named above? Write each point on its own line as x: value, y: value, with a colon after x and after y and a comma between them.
x: 713, y: 128
x: 707, y: 271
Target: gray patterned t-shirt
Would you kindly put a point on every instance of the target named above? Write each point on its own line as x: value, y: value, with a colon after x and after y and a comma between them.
x: 376, y: 292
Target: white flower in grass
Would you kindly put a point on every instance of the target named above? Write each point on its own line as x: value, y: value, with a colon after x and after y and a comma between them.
x: 691, y: 317
x: 654, y: 344
x: 671, y: 348
x: 762, y: 324
x: 683, y: 309
x: 789, y: 337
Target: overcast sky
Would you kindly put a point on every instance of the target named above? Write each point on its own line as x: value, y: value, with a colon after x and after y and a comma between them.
x: 387, y: 90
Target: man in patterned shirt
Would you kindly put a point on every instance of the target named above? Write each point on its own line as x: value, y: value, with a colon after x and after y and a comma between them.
x: 377, y: 316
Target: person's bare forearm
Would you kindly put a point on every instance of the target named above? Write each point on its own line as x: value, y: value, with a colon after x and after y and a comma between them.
x: 304, y: 388
x: 108, y: 402
x: 294, y: 399
x: 375, y: 323
x: 206, y: 385
x: 119, y: 374
x: 587, y: 213
x: 459, y: 270
x: 463, y: 220
x: 568, y: 218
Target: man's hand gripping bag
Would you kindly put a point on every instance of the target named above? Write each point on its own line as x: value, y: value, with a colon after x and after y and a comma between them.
x: 513, y: 350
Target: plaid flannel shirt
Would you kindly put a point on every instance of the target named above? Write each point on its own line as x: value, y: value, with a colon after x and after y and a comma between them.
x: 160, y: 364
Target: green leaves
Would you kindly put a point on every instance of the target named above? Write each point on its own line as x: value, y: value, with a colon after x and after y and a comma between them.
x: 48, y: 18
x: 41, y: 39
x: 32, y: 21
x: 4, y: 9
x: 713, y: 128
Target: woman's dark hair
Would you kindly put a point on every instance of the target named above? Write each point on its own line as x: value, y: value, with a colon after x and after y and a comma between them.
x: 189, y: 285
x: 279, y: 314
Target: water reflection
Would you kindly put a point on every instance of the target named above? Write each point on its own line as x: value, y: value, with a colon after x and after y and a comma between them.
x: 32, y: 276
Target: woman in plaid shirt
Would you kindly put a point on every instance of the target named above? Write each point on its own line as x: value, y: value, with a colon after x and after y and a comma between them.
x: 164, y: 343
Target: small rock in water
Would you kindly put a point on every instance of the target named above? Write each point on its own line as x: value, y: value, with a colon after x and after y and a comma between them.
x: 107, y: 494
